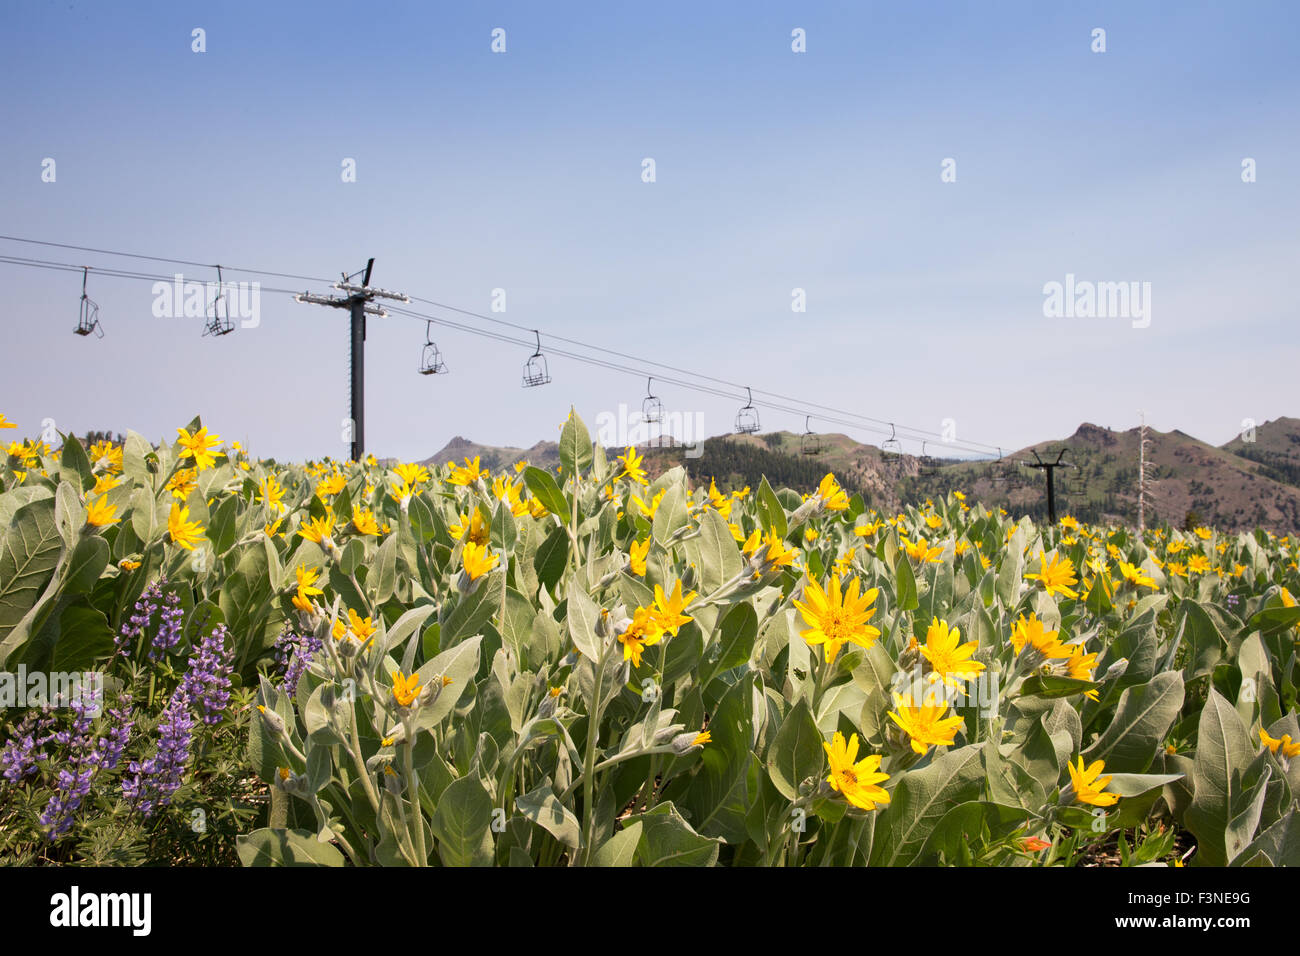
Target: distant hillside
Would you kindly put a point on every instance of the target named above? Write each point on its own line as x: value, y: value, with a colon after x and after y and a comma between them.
x: 1189, y: 475
x: 1238, y: 486
x: 545, y: 454
x: 1276, y: 449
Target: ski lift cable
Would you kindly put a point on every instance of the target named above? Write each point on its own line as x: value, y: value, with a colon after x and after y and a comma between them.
x: 776, y: 395
x: 972, y: 446
x: 586, y: 359
x: 488, y: 318
x: 180, y: 262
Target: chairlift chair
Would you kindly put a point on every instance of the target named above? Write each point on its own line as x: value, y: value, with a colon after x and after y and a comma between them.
x: 998, y: 470
x: 891, y: 449
x: 88, y: 315
x: 747, y: 417
x: 431, y: 362
x: 535, y: 370
x: 652, y: 410
x: 927, y: 465
x: 809, y: 443
x: 218, y: 312
x: 1073, y: 485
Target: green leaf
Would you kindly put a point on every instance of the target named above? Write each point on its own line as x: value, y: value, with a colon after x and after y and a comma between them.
x: 1271, y: 620
x: 278, y: 847
x: 223, y: 526
x: 461, y: 664
x: 543, y: 487
x: 717, y: 799
x: 906, y: 584
x: 1009, y: 575
x: 582, y: 615
x: 965, y: 824
x: 668, y: 840
x: 1142, y: 719
x: 89, y: 559
x: 84, y: 638
x: 1223, y: 751
x: 1049, y: 686
x: 620, y: 849
x: 552, y: 557
x: 543, y: 807
x: 921, y: 800
x: 670, y: 515
x: 383, y: 574
x: 473, y: 611
x: 75, y: 462
x: 575, y: 446
x: 462, y: 824
x: 29, y: 553
x: 147, y: 520
x: 1278, y: 845
x: 797, y: 753
x: 714, y: 552
x: 737, y: 632
x: 406, y: 625
x: 135, y: 450
x: 1206, y: 643
x: 772, y: 510
x: 1136, y: 784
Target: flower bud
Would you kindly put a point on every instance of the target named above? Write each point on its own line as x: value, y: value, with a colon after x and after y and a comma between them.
x: 274, y: 722
x: 813, y: 506
x: 692, y: 740
x: 547, y: 707
x: 910, y: 657
x: 689, y: 579
x: 290, y: 782
x: 392, y: 782
x: 429, y: 693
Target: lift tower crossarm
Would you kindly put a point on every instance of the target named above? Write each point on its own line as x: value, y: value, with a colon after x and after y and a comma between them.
x: 358, y: 302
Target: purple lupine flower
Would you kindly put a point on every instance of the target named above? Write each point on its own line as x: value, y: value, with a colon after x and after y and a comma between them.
x: 169, y: 628
x: 134, y: 629
x: 73, y: 782
x: 25, y: 748
x: 111, y: 745
x: 16, y: 761
x: 152, y: 782
x: 207, y: 679
x: 295, y: 653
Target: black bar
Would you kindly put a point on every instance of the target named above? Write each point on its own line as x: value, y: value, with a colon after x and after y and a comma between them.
x: 358, y: 305
x: 1051, y: 496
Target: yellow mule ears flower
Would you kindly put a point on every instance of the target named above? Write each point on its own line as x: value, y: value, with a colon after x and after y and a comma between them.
x: 925, y: 724
x: 184, y: 533
x: 1282, y: 746
x: 478, y: 560
x: 857, y: 781
x: 1058, y: 577
x: 835, y: 618
x: 405, y: 689
x: 1088, y: 784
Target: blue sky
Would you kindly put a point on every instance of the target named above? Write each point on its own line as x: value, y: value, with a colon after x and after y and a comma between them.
x: 774, y: 171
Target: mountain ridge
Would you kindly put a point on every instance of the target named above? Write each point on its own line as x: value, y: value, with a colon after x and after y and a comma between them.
x: 1238, y: 485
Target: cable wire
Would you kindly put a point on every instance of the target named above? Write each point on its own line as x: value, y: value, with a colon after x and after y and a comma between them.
x: 838, y: 416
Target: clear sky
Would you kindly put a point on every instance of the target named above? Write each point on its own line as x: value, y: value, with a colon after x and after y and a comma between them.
x: 774, y: 170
